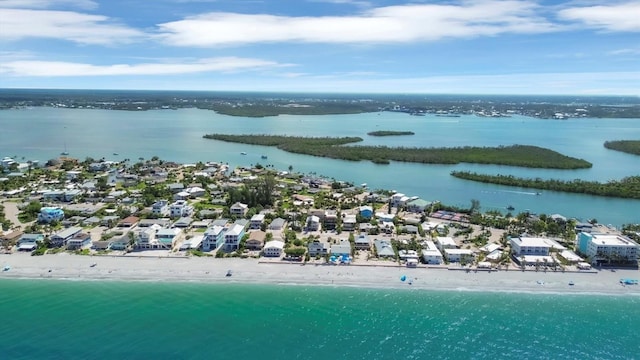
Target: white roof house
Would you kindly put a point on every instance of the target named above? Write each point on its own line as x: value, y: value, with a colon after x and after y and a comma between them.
x: 273, y: 248
x: 430, y: 253
x: 445, y: 242
x: 530, y: 246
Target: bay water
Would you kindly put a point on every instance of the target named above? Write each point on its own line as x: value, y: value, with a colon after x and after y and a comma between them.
x: 43, y: 133
x: 59, y: 319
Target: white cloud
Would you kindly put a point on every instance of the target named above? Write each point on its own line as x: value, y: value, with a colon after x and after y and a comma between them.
x: 618, y: 17
x: 43, y: 4
x: 39, y: 68
x: 629, y: 51
x: 67, y: 25
x: 403, y: 23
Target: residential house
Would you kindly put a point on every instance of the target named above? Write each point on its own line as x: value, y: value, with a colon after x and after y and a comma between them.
x: 201, y: 224
x: 349, y: 222
x: 273, y: 248
x: 330, y: 221
x: 239, y: 209
x: 408, y: 254
x: 180, y: 208
x: 431, y: 254
x: 445, y: 242
x: 109, y: 220
x: 255, y: 240
x: 523, y: 246
x: 459, y: 255
x: 183, y: 222
x: 10, y: 238
x: 366, y: 211
x: 233, y: 237
x: 91, y: 221
x: 192, y: 243
x: 176, y: 187
x: 29, y: 242
x: 50, y: 214
x: 196, y: 191
x: 418, y: 205
x: 318, y: 248
x: 256, y: 221
x: 384, y: 248
x: 121, y: 243
x: 213, y: 237
x: 162, y: 223
x: 398, y: 200
x: 167, y: 238
x: 128, y: 222
x: 146, y: 238
x: 79, y: 241
x: 182, y: 195
x: 312, y: 223
x: 60, y: 238
x: 277, y: 224
x: 341, y: 249
x: 362, y: 242
x: 161, y: 208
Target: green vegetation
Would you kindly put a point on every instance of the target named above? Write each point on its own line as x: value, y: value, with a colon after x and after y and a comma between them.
x: 390, y: 133
x: 515, y: 155
x: 628, y: 188
x: 627, y: 146
x: 301, y: 108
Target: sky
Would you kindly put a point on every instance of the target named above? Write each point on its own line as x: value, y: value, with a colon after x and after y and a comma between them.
x: 580, y: 47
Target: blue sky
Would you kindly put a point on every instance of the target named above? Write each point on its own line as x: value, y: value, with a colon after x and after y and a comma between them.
x: 580, y: 47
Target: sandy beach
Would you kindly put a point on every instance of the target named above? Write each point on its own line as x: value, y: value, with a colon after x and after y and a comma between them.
x: 194, y: 269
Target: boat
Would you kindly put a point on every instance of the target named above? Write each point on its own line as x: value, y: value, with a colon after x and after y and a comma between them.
x: 510, y: 207
x: 115, y: 154
x: 571, y: 283
x: 93, y: 265
x: 65, y: 152
x: 243, y: 153
x: 229, y: 273
x: 264, y: 156
x: 6, y: 268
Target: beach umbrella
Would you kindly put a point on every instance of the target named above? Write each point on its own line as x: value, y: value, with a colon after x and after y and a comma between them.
x: 403, y: 278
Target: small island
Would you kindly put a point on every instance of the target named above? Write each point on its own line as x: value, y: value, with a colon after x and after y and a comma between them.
x: 627, y: 188
x: 514, y: 155
x: 626, y: 146
x: 390, y: 133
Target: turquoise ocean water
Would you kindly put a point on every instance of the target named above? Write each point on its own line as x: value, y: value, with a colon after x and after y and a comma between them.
x: 52, y: 319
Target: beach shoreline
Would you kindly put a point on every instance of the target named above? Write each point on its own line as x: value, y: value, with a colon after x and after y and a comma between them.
x: 190, y: 270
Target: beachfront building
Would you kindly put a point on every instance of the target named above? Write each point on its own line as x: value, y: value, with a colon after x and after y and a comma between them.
x: 459, y: 255
x: 180, y: 208
x: 341, y: 249
x: 60, y: 239
x: 213, y: 237
x: 79, y: 241
x: 384, y: 249
x: 256, y: 221
x: 239, y: 209
x: 274, y: 248
x: 29, y: 242
x: 408, y: 254
x: 529, y: 246
x: 362, y: 242
x: 255, y: 241
x: 608, y: 248
x: 318, y: 248
x: 167, y: 238
x: 445, y: 242
x: 233, y: 237
x: 160, y: 208
x: 50, y: 214
x: 193, y: 243
x: 431, y: 254
x: 146, y: 238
